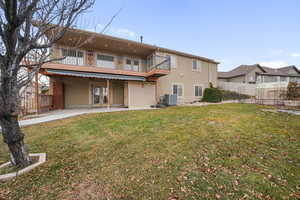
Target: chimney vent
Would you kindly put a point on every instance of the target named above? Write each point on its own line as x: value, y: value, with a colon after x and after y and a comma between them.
x: 141, y: 39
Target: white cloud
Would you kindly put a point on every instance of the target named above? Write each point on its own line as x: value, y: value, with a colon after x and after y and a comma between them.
x: 224, y: 60
x: 274, y: 64
x: 281, y: 51
x: 124, y: 32
x: 295, y: 54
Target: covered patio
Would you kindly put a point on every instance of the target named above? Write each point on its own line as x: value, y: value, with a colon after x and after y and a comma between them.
x: 82, y: 89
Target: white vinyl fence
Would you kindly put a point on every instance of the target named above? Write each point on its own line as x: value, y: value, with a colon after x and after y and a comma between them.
x: 241, y: 88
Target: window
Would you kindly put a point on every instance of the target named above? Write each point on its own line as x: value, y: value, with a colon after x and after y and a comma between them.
x: 269, y: 79
x: 105, y: 58
x: 106, y: 61
x: 177, y: 89
x: 132, y: 64
x: 294, y: 79
x: 198, y: 90
x: 72, y: 57
x: 259, y: 79
x: 196, y: 65
x: 283, y: 79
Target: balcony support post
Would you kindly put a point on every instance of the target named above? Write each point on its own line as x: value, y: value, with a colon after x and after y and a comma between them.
x: 108, y: 93
x: 37, y: 100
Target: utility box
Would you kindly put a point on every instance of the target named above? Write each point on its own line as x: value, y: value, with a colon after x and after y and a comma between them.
x: 170, y: 99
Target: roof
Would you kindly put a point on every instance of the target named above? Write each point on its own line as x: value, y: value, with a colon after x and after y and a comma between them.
x: 239, y: 71
x: 281, y: 71
x: 107, y: 42
x: 242, y: 70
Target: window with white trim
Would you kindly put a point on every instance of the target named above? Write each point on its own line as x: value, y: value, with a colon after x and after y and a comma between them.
x: 177, y: 89
x: 72, y: 57
x: 283, y: 79
x: 198, y: 91
x: 106, y: 61
x: 196, y: 65
x: 132, y: 64
x: 294, y: 79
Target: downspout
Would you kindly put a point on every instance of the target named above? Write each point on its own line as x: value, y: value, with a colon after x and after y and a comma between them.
x: 208, y: 78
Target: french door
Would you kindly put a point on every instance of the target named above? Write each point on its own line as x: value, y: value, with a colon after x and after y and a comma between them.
x: 100, y: 95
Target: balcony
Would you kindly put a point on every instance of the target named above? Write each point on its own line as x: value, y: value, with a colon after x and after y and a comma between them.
x: 155, y: 67
x: 155, y: 62
x: 158, y: 66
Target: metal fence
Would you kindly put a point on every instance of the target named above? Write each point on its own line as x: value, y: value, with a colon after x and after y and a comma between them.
x: 29, y: 104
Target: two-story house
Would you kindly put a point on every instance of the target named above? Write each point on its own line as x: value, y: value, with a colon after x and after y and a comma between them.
x: 260, y: 74
x: 101, y: 70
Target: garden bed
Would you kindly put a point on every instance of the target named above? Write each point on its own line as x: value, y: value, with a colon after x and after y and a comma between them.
x: 7, y: 171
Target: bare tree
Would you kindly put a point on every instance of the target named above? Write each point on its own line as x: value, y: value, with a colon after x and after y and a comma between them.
x: 28, y: 28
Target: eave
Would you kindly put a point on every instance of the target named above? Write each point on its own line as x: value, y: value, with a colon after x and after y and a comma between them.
x: 149, y: 76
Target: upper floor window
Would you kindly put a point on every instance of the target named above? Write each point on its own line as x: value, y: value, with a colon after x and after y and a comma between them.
x: 196, y: 65
x: 198, y: 90
x: 132, y: 64
x: 177, y: 89
x: 294, y: 79
x: 270, y: 79
x: 73, y: 57
x: 106, y: 61
x: 283, y: 79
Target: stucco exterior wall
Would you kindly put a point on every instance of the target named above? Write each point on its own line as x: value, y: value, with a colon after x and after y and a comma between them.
x: 141, y: 94
x: 76, y: 92
x: 183, y: 74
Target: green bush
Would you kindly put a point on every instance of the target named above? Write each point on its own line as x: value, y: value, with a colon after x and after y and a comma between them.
x: 213, y: 95
x: 229, y: 95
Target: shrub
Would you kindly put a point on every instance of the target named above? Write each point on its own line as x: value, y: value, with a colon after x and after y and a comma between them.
x: 229, y: 95
x: 293, y: 90
x: 212, y: 95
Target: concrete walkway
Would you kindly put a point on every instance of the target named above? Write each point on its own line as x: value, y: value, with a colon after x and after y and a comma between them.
x: 206, y: 103
x: 62, y: 114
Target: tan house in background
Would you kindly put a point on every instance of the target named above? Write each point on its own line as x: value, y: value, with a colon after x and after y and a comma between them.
x: 259, y: 74
x: 101, y: 70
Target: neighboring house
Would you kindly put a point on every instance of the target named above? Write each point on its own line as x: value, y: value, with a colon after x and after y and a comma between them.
x: 109, y: 71
x: 259, y: 74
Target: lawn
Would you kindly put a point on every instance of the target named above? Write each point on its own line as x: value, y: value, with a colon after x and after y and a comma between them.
x: 229, y: 151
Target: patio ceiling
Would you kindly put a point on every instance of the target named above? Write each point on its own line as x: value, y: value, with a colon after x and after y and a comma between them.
x: 96, y: 41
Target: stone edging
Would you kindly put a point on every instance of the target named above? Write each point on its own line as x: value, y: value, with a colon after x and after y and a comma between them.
x: 42, y: 159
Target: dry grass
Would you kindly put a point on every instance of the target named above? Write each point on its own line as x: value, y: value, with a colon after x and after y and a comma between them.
x: 232, y: 151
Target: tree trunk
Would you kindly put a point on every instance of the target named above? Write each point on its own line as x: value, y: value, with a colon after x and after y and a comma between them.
x: 14, y: 138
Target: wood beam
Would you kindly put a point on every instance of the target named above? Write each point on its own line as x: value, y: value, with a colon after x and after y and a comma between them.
x: 108, y: 93
x: 37, y: 100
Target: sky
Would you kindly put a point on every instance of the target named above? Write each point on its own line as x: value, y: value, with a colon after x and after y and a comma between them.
x: 233, y: 32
